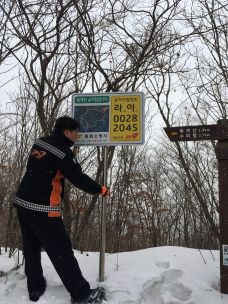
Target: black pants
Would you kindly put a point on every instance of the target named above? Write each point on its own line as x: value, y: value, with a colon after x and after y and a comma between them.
x: 39, y: 230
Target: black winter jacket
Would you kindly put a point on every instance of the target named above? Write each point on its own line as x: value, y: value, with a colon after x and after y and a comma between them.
x: 42, y: 187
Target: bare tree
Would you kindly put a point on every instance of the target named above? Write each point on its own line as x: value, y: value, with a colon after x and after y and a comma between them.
x: 16, y: 136
x: 70, y: 46
x: 50, y: 60
x: 197, y: 69
x: 206, y: 87
x: 8, y: 42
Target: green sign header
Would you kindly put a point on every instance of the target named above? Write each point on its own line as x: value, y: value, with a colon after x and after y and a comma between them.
x: 91, y: 99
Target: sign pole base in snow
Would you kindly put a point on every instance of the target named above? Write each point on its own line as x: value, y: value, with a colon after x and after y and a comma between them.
x: 213, y: 132
x: 103, y: 217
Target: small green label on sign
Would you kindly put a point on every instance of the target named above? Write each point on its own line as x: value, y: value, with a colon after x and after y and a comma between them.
x: 92, y: 99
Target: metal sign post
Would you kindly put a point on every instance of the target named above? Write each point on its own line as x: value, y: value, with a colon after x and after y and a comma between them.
x: 103, y: 218
x: 213, y: 132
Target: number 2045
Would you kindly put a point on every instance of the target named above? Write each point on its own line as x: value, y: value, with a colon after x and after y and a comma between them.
x: 123, y: 127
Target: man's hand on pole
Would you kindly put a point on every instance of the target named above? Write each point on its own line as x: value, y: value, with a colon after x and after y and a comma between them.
x: 105, y: 191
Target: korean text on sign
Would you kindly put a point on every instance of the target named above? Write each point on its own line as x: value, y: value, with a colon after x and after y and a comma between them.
x: 125, y: 118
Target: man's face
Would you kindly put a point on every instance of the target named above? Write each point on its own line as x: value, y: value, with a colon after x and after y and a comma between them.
x: 72, y: 135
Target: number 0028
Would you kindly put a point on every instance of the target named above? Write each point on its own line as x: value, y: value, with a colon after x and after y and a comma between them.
x: 123, y: 118
x: 122, y: 127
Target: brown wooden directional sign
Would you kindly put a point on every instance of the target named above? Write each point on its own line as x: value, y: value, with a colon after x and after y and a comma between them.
x: 192, y: 133
x: 213, y: 132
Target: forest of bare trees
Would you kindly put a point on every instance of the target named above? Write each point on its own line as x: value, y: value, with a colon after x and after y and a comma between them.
x: 176, y: 52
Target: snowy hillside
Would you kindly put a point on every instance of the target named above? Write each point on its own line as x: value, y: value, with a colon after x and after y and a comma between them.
x: 163, y: 275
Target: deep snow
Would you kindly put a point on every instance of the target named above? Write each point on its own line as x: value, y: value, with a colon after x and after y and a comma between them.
x: 162, y: 275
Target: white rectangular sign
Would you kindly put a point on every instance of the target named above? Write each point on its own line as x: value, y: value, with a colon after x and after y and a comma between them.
x: 109, y: 118
x: 225, y: 254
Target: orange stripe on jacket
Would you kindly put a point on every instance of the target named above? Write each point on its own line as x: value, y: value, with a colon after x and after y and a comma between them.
x: 55, y: 198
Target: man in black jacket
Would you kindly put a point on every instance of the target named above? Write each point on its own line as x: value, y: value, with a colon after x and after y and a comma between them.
x: 38, y: 202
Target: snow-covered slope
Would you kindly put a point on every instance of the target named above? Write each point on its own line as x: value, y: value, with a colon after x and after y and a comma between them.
x: 162, y: 275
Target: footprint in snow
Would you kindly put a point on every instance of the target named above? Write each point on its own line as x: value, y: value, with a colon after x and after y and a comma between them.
x: 8, y: 289
x: 162, y: 264
x: 165, y: 289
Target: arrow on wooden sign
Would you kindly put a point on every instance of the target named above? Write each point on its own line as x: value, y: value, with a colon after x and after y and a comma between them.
x: 192, y: 133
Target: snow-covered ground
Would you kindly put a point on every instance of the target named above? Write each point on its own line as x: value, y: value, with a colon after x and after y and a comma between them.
x: 162, y: 275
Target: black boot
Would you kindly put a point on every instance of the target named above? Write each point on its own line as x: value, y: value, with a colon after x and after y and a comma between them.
x: 35, y: 295
x: 96, y: 296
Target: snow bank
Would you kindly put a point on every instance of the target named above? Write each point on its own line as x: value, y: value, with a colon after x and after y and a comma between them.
x: 162, y: 275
